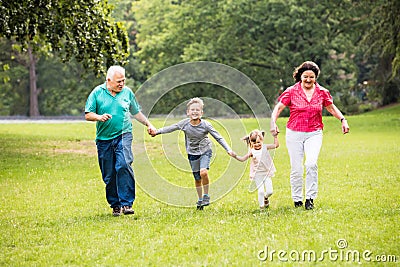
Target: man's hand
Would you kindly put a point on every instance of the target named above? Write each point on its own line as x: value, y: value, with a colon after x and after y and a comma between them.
x: 151, y: 130
x: 104, y: 117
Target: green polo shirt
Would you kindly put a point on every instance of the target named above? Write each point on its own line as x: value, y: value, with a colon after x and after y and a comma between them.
x: 120, y: 106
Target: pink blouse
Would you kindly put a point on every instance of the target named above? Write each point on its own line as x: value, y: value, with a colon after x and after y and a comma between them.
x: 305, y: 116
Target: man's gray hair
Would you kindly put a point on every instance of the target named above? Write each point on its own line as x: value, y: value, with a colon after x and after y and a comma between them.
x: 112, y: 70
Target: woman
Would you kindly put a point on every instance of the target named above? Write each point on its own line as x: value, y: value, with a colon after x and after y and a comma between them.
x: 306, y: 100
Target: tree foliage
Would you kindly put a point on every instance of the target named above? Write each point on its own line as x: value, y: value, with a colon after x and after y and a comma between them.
x: 265, y: 40
x: 383, y: 37
x: 383, y: 49
x: 82, y: 29
x: 355, y: 43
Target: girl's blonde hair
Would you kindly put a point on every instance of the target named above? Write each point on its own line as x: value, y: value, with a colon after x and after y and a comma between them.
x: 195, y: 100
x: 252, y: 137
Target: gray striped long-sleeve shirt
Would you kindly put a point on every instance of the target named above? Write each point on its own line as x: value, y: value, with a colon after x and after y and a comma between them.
x: 196, y: 136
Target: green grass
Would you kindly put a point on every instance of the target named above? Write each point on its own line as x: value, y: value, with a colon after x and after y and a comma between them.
x: 53, y: 210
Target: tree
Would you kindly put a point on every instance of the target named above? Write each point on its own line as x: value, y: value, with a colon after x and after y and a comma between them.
x: 264, y: 39
x: 383, y: 40
x: 80, y: 29
x: 383, y: 35
x: 14, y: 81
x: 122, y: 11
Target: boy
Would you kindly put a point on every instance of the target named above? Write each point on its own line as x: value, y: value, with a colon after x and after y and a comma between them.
x: 198, y: 146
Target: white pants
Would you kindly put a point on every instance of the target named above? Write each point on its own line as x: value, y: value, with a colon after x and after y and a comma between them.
x: 300, y: 144
x: 264, y: 186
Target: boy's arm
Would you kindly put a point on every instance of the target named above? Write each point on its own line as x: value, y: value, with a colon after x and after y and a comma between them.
x: 171, y: 128
x: 216, y: 135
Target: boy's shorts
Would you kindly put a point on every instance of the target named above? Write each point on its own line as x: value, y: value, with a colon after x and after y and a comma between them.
x: 198, y: 162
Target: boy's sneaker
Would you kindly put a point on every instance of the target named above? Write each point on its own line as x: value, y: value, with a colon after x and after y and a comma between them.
x: 266, y: 202
x: 309, y: 204
x: 116, y: 211
x: 206, y: 200
x: 199, y: 204
x: 298, y: 204
x: 127, y: 210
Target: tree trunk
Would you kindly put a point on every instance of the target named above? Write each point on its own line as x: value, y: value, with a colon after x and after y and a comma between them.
x: 34, y: 92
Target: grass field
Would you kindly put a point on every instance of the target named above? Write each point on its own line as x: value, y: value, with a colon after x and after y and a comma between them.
x: 53, y: 210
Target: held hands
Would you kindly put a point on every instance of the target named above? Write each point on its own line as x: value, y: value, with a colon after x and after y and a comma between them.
x: 239, y: 158
x: 151, y: 130
x: 274, y: 129
x: 232, y: 154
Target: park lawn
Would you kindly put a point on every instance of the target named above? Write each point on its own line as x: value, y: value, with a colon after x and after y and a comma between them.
x: 53, y: 210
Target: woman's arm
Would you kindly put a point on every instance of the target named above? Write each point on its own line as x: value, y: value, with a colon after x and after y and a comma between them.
x: 274, y: 117
x: 337, y: 114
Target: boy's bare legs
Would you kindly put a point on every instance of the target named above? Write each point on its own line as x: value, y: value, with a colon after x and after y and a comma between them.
x: 199, y: 188
x: 202, y: 185
x: 204, y: 180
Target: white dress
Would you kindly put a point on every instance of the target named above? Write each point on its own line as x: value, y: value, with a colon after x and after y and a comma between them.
x: 261, y: 165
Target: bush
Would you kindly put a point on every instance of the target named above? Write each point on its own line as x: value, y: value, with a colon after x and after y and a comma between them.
x: 365, y: 107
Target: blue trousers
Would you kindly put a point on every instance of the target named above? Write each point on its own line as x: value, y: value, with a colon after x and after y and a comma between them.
x: 115, y: 159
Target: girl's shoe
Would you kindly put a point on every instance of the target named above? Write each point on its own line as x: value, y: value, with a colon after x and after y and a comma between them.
x: 298, y: 204
x: 266, y: 202
x: 309, y: 204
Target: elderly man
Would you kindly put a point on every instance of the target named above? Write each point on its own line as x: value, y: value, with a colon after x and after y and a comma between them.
x: 111, y: 105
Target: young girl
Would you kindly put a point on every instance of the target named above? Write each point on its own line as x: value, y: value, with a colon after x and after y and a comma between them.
x: 198, y: 146
x: 261, y: 166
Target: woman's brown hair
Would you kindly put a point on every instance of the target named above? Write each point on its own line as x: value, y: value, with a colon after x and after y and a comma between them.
x: 308, y: 65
